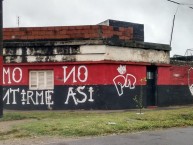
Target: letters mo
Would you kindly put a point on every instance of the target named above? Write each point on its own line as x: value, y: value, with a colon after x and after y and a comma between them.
x: 11, y: 75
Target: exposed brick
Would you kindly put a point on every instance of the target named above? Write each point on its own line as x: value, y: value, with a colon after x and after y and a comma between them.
x: 34, y: 32
x: 41, y: 33
x: 30, y: 29
x: 29, y: 32
x: 71, y: 28
x: 95, y: 27
x: 86, y: 27
x: 126, y: 33
x: 37, y: 28
x: 7, y: 37
x: 85, y: 31
x: 7, y: 29
x: 105, y: 27
x: 63, y: 32
x: 30, y: 37
x: 7, y: 33
x: 94, y: 35
x: 110, y: 28
x: 68, y: 32
x: 63, y: 28
x: 24, y: 37
x: 50, y: 28
x: 20, y: 33
x: 86, y: 35
x: 106, y: 36
x: 57, y: 29
x: 93, y: 31
x: 79, y: 27
x: 115, y: 28
x: 49, y: 32
x: 65, y: 36
x: 22, y: 29
x: 121, y: 29
x: 117, y: 33
x: 40, y: 28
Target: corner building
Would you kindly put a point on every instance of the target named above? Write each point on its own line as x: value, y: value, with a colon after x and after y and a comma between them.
x: 100, y: 66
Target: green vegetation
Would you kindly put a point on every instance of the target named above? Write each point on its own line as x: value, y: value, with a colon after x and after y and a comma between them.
x: 84, y: 123
x: 139, y: 99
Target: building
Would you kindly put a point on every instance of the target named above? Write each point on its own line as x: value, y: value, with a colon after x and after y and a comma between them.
x: 100, y: 66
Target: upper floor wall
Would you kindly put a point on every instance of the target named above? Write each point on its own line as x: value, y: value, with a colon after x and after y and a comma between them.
x: 115, y: 41
x: 83, y: 53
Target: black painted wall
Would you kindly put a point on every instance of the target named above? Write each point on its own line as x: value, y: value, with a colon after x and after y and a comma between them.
x: 103, y: 97
x: 174, y: 95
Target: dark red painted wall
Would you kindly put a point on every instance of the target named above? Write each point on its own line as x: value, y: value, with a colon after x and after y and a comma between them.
x: 73, y: 74
x: 174, y: 75
x: 174, y: 85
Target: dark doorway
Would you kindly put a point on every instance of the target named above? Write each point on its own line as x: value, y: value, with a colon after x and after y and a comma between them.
x: 151, y: 85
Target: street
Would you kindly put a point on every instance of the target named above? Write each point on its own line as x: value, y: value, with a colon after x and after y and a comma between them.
x: 174, y: 136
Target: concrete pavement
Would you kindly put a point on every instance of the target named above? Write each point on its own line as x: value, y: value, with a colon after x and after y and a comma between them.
x: 174, y: 136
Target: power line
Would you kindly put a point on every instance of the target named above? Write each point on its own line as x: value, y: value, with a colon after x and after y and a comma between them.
x: 174, y: 2
x: 180, y: 4
x: 184, y: 4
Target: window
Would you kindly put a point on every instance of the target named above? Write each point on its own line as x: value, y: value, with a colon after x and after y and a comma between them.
x: 41, y: 80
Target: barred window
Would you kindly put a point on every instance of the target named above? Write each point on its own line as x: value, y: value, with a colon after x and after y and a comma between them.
x: 41, y: 80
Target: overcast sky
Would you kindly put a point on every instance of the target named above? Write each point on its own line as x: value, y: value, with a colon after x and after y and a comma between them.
x: 156, y: 15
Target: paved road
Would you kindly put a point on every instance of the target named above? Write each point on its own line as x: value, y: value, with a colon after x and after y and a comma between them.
x: 182, y: 136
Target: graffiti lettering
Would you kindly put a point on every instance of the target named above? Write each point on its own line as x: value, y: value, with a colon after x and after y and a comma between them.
x: 121, y: 81
x: 82, y: 74
x: 72, y: 94
x: 79, y: 89
x: 91, y: 93
x: 15, y: 72
x: 11, y: 92
x: 29, y: 97
x: 190, y: 83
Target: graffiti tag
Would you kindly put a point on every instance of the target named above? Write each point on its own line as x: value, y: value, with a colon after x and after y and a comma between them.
x: 28, y: 97
x: 124, y: 81
x: 190, y: 85
x: 77, y: 74
x: 11, y: 75
x: 80, y: 92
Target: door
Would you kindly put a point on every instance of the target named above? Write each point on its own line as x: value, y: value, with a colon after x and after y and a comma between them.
x: 151, y: 85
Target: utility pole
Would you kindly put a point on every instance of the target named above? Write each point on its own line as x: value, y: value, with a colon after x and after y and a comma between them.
x: 18, y: 21
x: 172, y: 29
x: 1, y: 58
x: 173, y: 21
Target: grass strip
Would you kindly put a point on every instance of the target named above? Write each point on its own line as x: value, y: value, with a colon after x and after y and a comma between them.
x: 81, y: 123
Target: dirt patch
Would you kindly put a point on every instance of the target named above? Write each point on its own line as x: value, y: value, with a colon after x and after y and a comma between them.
x: 8, y: 125
x: 36, y: 141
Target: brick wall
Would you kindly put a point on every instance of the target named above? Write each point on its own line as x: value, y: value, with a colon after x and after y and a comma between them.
x: 67, y: 33
x: 138, y: 29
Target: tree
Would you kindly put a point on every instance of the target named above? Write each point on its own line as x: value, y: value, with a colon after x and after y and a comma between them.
x: 138, y: 99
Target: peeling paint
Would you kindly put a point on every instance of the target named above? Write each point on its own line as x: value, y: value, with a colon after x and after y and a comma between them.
x: 40, y: 54
x: 84, y: 53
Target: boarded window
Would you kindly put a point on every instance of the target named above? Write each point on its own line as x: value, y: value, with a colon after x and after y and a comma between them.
x: 41, y: 80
